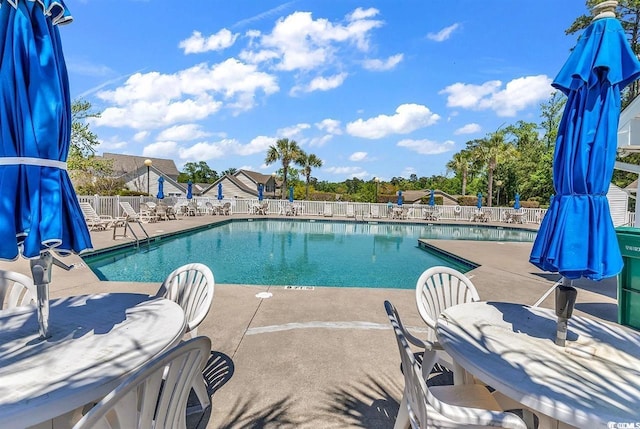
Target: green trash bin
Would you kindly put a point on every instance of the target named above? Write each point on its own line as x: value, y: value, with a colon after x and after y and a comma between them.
x: 629, y: 277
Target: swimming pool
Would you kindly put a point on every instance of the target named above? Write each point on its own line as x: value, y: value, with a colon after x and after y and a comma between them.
x: 300, y: 253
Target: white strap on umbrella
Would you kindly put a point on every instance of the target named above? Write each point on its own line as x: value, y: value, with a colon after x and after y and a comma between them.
x: 24, y: 160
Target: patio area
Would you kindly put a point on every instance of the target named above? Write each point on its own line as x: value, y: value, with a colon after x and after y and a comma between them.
x: 323, y: 357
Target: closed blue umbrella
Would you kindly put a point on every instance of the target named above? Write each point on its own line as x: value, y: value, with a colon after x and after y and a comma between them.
x: 400, y: 199
x: 189, y: 190
x: 290, y: 194
x: 160, y: 188
x: 260, y: 192
x: 479, y: 202
x: 577, y: 237
x: 220, y: 196
x: 516, y: 204
x: 432, y: 199
x: 39, y: 211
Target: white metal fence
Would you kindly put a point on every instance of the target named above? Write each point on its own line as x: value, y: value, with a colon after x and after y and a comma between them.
x: 110, y: 205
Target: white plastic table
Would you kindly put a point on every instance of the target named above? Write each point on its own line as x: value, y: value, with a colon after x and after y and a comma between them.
x: 591, y: 383
x: 96, y: 340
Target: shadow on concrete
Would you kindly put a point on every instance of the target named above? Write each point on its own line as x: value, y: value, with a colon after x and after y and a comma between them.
x: 275, y: 415
x: 603, y: 310
x: 366, y: 404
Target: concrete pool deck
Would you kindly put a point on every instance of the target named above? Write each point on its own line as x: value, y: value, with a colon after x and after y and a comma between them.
x: 321, y: 358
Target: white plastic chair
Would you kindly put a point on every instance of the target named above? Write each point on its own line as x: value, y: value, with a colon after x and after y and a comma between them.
x: 351, y: 211
x: 155, y: 396
x: 424, y: 407
x: 16, y: 290
x: 192, y: 287
x: 327, y: 211
x: 437, y: 289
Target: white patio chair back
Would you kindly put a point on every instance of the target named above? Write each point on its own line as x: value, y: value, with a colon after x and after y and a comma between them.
x: 424, y: 407
x: 16, y: 290
x: 351, y: 211
x: 327, y: 211
x: 439, y: 288
x: 375, y: 212
x: 191, y: 286
x: 155, y: 396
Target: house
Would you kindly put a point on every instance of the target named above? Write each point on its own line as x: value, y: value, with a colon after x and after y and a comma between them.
x: 243, y: 184
x: 139, y: 177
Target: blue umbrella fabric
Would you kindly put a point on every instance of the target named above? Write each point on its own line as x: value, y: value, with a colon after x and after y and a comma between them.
x: 479, y: 202
x: 260, y: 192
x: 290, y: 194
x: 160, y: 188
x: 189, y: 189
x: 400, y: 199
x: 39, y: 210
x: 432, y: 199
x: 577, y: 237
x: 220, y: 196
x: 516, y: 204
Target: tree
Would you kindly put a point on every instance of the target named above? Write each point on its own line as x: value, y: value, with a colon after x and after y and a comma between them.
x: 286, y: 151
x: 83, y: 166
x: 230, y: 171
x: 460, y: 166
x: 199, y: 173
x: 307, y: 162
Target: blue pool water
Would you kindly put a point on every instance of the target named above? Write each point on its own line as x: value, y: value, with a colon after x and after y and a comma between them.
x: 301, y: 253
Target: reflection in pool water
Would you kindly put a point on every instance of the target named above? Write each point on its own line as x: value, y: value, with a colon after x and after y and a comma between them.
x: 303, y: 253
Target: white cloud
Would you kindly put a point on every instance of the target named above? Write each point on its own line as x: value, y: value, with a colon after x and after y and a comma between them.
x: 408, y: 118
x: 154, y: 100
x: 197, y: 44
x: 408, y: 171
x: 320, y: 83
x: 346, y: 171
x: 358, y: 156
x: 113, y: 143
x: 383, y: 65
x: 141, y: 136
x: 184, y: 132
x: 201, y: 152
x: 299, y: 42
x: 160, y: 150
x: 427, y: 147
x: 293, y: 132
x: 332, y: 126
x: 443, y: 34
x: 516, y: 95
x: 320, y: 141
x: 468, y: 129
x: 259, y: 144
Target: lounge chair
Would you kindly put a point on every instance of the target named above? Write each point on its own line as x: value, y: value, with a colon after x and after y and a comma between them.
x: 328, y: 212
x: 94, y: 221
x: 423, y: 406
x: 374, y: 212
x: 226, y: 209
x: 154, y: 396
x: 16, y: 290
x: 132, y: 216
x: 437, y: 289
x: 351, y: 211
x: 263, y: 209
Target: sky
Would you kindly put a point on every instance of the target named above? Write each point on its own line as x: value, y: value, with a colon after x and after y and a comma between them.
x: 381, y: 88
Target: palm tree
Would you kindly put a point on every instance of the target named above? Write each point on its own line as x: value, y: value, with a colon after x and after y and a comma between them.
x: 308, y: 161
x: 287, y: 151
x: 460, y: 165
x: 492, y: 151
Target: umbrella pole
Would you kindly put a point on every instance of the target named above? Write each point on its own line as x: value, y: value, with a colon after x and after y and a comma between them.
x: 565, y: 301
x: 41, y: 272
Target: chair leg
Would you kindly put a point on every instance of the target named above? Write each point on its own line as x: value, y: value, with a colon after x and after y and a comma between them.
x: 402, y: 421
x: 200, y: 389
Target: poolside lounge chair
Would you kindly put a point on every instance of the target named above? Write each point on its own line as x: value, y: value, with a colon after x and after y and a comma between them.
x: 192, y: 287
x: 132, y: 216
x: 16, y: 290
x: 351, y: 211
x: 327, y: 212
x: 154, y: 396
x: 437, y: 289
x: 424, y: 406
x: 374, y: 212
x: 95, y: 222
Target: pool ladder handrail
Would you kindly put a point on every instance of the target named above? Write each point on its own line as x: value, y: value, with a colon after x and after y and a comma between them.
x: 127, y: 225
